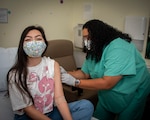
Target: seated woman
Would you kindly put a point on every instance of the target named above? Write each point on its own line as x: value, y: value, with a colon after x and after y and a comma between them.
x: 34, y: 84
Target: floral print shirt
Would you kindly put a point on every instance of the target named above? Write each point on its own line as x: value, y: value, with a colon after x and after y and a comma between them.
x: 40, y: 82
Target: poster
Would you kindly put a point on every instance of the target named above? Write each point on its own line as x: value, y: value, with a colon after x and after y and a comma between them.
x: 3, y: 15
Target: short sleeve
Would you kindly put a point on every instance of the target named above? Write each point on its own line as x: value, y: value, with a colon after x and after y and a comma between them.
x: 17, y: 100
x: 119, y: 61
x: 84, y: 67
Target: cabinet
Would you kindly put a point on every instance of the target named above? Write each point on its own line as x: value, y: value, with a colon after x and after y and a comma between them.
x: 147, y: 46
x: 135, y: 26
x: 139, y: 29
x: 147, y: 51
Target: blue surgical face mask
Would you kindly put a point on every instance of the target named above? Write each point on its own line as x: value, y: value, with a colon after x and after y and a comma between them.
x: 87, y: 44
x: 34, y: 48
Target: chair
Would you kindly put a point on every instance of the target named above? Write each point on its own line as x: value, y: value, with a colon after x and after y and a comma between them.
x: 61, y: 50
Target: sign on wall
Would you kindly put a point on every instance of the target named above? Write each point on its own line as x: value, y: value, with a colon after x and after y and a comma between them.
x: 3, y: 15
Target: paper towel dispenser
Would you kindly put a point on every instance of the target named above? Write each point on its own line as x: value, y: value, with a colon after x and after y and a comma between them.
x: 78, y: 41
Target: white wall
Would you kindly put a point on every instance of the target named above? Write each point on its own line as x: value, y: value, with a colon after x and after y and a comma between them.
x: 54, y: 17
x: 58, y: 20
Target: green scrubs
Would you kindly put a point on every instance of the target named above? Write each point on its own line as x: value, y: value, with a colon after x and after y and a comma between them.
x: 127, y: 97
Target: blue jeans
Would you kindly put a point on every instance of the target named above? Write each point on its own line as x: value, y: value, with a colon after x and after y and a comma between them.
x: 80, y: 110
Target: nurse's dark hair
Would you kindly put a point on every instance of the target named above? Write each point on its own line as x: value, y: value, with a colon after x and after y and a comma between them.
x: 20, y: 66
x: 101, y: 34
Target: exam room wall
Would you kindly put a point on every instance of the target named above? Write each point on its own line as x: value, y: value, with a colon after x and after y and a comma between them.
x: 58, y: 19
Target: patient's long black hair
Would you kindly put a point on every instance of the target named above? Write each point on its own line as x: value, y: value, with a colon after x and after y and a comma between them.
x: 101, y: 34
x: 20, y: 67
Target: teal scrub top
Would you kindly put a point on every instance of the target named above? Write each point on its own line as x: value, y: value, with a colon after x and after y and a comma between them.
x: 120, y: 58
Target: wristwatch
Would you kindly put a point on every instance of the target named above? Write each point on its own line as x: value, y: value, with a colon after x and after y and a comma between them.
x: 77, y: 82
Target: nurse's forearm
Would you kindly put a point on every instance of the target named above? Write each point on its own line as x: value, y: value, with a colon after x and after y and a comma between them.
x: 78, y: 74
x: 104, y: 83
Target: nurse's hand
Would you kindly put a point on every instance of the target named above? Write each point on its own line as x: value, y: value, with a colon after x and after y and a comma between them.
x: 67, y: 78
x: 62, y: 70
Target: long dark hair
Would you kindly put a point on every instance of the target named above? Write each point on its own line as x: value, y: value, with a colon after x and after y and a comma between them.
x: 20, y: 67
x: 101, y: 34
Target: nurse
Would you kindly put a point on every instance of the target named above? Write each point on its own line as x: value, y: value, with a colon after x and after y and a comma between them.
x: 115, y: 67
